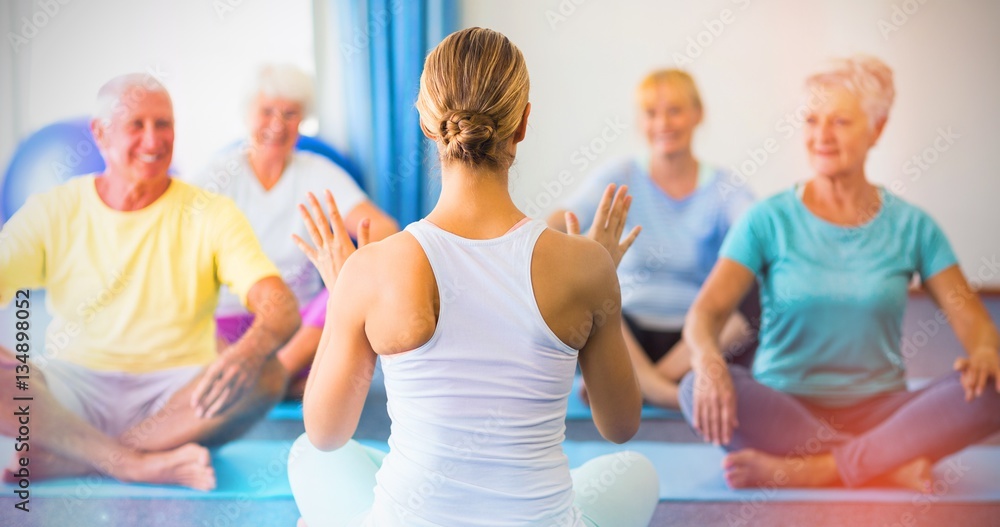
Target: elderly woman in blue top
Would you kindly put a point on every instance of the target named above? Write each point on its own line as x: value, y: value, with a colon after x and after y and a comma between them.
x: 826, y: 403
x: 685, y: 208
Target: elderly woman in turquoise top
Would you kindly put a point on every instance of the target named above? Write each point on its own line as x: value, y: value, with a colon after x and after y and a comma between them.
x: 826, y: 403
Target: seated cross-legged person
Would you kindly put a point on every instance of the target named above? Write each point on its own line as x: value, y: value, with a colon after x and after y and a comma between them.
x: 267, y: 178
x: 132, y: 385
x: 480, y: 318
x: 685, y: 207
x: 827, y: 402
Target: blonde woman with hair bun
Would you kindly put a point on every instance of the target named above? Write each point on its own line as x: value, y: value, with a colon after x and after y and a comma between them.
x: 827, y: 402
x: 496, y: 312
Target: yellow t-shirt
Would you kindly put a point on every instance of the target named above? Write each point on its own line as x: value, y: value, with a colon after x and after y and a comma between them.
x: 130, y: 291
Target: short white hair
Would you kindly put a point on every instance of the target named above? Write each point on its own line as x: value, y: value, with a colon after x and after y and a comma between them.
x: 124, y: 90
x: 284, y: 81
x: 867, y: 77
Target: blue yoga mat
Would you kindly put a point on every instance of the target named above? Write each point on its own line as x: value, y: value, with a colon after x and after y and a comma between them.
x: 692, y: 472
x: 576, y: 410
x: 286, y: 411
x: 243, y: 469
x: 688, y: 472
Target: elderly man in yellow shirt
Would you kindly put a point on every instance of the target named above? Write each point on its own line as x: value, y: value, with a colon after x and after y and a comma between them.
x: 132, y: 261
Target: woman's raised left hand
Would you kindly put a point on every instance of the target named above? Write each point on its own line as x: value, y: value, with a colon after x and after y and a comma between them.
x: 331, y: 244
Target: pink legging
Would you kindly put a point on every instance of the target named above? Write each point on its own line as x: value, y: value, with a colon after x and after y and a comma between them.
x: 867, y: 439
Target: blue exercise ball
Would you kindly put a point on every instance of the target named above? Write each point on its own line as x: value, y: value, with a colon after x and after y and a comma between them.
x: 318, y: 146
x: 47, y: 158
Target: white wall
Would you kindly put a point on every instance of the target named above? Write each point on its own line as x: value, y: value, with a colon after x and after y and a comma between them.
x: 586, y: 56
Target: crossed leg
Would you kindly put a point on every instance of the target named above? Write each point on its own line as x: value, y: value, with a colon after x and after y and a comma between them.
x: 160, y: 449
x: 885, y: 442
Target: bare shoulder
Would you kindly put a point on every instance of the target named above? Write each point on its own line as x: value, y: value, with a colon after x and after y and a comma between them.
x: 577, y: 257
x: 393, y: 252
x: 382, y: 260
x: 393, y: 281
x: 572, y: 277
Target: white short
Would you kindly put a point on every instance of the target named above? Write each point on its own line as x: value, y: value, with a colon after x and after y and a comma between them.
x: 113, y: 402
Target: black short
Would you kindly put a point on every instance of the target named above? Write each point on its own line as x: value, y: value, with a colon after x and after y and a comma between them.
x: 657, y: 344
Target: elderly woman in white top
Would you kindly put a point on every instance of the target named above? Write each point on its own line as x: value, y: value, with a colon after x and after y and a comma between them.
x: 267, y: 178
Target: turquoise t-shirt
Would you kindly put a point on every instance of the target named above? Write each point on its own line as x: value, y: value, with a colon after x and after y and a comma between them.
x: 833, y: 297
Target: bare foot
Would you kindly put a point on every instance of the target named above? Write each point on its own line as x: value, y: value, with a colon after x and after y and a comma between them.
x: 751, y: 468
x: 915, y: 475
x: 188, y: 465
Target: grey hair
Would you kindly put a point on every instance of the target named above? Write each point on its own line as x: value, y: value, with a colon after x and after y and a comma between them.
x: 284, y: 81
x: 124, y: 90
x: 867, y: 77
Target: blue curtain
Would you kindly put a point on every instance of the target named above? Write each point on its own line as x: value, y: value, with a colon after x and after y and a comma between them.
x: 382, y: 45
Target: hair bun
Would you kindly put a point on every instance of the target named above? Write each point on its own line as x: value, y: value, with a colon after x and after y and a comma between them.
x: 468, y: 134
x: 473, y: 93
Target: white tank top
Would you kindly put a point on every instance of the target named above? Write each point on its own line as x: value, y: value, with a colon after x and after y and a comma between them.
x: 478, y: 412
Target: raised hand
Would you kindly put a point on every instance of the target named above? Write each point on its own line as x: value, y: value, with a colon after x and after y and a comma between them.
x: 331, y: 244
x: 609, y: 222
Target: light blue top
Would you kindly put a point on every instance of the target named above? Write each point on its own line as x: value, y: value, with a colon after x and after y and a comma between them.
x: 663, y: 271
x: 833, y: 297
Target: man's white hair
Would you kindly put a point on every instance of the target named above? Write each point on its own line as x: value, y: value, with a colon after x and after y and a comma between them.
x: 123, y: 91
